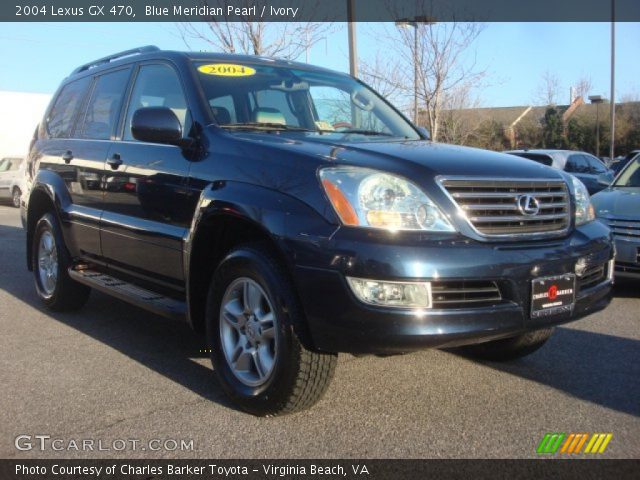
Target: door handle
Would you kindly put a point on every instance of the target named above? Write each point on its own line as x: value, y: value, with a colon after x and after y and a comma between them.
x: 68, y: 156
x: 115, y: 161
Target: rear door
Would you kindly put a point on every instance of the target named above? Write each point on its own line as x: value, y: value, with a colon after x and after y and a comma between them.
x: 147, y: 203
x: 87, y: 152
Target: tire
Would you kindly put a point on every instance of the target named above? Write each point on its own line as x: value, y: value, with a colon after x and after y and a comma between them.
x: 15, y: 197
x: 509, y: 348
x: 273, y: 373
x: 51, y: 262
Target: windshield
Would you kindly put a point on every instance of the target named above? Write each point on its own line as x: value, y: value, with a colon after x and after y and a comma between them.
x: 268, y: 97
x: 630, y: 176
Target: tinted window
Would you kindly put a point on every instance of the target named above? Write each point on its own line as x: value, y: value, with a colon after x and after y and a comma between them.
x: 62, y: 116
x: 104, y: 107
x: 156, y: 86
x: 596, y: 165
x: 577, y: 164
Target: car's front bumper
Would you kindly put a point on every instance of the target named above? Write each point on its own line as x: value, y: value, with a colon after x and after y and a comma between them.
x: 339, y: 322
x: 627, y: 257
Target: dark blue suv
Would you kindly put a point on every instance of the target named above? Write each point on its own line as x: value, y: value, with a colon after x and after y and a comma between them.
x: 290, y: 213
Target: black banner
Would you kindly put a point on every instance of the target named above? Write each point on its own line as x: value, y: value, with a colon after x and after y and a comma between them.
x: 318, y: 10
x: 325, y: 469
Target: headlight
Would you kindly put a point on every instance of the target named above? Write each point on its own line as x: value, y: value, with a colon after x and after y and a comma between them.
x: 370, y: 198
x: 584, y: 209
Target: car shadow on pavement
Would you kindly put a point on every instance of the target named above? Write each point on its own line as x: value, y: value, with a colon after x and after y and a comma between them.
x: 599, y: 368
x: 168, y: 347
x: 626, y: 288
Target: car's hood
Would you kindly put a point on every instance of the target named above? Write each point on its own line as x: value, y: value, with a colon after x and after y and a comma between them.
x: 623, y: 203
x: 402, y: 157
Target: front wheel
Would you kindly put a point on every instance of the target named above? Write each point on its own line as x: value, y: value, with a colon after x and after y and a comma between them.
x: 252, y: 317
x: 15, y: 197
x: 509, y: 348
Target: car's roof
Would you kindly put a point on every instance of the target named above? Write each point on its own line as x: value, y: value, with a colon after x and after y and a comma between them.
x: 547, y: 151
x: 153, y: 53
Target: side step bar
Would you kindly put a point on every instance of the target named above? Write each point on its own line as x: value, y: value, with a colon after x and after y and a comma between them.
x: 154, y: 302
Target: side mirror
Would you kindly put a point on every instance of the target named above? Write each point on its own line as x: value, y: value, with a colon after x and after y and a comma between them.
x: 424, y: 132
x: 605, y: 179
x: 156, y: 125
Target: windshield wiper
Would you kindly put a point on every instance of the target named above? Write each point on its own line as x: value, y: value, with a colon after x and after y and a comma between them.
x: 266, y: 126
x: 365, y: 132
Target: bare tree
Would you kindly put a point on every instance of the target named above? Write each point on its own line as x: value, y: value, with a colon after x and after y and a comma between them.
x: 582, y: 87
x: 240, y: 34
x: 548, y: 89
x: 384, y: 76
x: 457, y: 126
x: 439, y: 51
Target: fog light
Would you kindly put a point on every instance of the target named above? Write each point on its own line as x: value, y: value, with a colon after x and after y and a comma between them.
x: 581, y: 266
x: 392, y: 294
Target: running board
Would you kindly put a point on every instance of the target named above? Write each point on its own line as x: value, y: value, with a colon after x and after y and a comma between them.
x: 152, y: 301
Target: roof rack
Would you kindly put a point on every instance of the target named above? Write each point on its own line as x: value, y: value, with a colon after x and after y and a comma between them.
x: 115, y: 56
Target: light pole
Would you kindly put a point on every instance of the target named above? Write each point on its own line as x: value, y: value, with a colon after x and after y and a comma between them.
x: 353, y: 48
x: 597, y: 99
x: 415, y: 22
x: 612, y: 110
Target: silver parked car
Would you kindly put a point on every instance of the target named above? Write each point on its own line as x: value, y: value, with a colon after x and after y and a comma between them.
x: 619, y: 207
x: 12, y: 179
x: 579, y: 164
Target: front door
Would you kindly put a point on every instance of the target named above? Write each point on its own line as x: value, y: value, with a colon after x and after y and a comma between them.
x: 147, y: 203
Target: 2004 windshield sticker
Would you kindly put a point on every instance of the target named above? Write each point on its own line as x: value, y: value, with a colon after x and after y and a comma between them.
x: 226, y: 70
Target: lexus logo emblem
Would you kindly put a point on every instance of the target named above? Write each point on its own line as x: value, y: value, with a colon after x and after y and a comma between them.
x: 528, y: 205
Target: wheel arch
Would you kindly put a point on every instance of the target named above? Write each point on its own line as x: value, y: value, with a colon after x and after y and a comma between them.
x: 48, y: 194
x: 232, y: 214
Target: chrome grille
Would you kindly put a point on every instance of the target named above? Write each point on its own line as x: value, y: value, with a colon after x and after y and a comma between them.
x: 464, y: 294
x: 491, y: 206
x: 624, y: 228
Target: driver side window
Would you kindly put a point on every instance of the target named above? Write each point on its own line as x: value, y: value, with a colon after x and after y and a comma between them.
x: 157, y: 86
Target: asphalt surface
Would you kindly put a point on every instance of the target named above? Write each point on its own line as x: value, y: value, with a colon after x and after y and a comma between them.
x: 113, y: 372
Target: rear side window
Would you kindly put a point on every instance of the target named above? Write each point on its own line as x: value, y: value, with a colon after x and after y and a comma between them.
x: 63, y: 113
x: 103, y: 110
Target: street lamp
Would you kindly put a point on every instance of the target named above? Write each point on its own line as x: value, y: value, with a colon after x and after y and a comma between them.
x: 597, y: 99
x: 415, y: 22
x: 353, y: 49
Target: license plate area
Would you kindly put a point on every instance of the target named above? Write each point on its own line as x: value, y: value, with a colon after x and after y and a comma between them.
x: 553, y: 295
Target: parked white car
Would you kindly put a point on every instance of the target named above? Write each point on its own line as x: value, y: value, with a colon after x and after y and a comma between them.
x: 12, y: 179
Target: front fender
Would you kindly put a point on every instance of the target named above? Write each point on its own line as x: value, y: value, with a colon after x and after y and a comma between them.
x: 268, y: 214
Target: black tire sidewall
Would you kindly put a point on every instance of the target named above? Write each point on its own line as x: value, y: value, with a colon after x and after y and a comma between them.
x: 252, y: 263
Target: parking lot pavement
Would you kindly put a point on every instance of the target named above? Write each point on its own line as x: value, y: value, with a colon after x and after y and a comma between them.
x: 112, y: 371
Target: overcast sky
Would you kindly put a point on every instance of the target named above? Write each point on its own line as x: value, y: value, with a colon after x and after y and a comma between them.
x: 35, y: 57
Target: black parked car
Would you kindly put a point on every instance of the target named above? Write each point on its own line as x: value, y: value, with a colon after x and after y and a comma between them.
x: 586, y: 167
x: 291, y: 213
